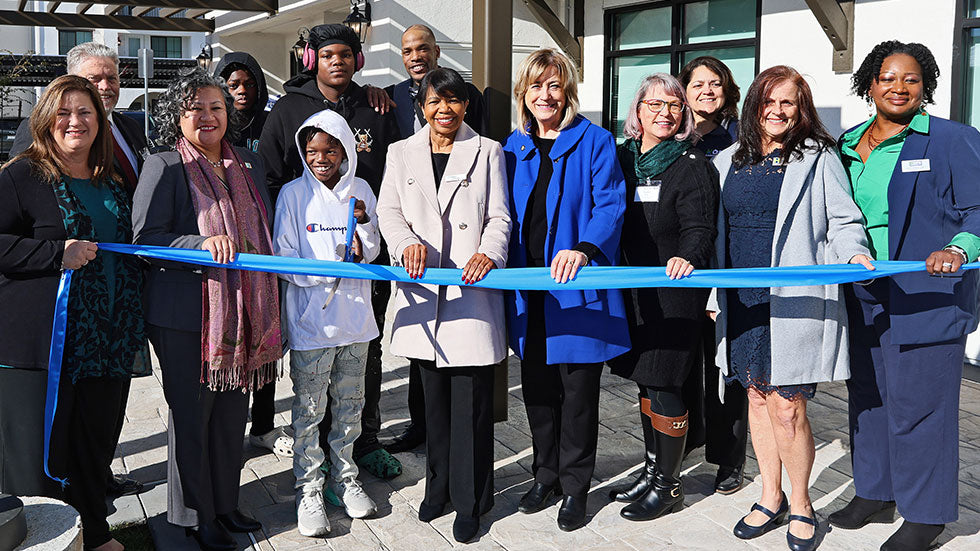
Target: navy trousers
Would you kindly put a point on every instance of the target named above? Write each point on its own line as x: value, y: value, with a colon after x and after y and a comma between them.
x: 903, y: 405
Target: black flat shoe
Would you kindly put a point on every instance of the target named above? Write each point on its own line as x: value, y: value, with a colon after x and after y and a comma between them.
x: 211, y: 536
x: 571, y: 514
x: 412, y: 438
x: 729, y: 480
x: 236, y: 521
x: 746, y: 531
x: 912, y: 536
x: 537, y: 497
x: 861, y: 511
x: 119, y: 485
x: 801, y: 544
x: 428, y: 513
x: 465, y: 528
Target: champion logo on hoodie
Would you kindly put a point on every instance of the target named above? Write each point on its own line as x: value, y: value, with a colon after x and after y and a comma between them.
x: 313, y: 228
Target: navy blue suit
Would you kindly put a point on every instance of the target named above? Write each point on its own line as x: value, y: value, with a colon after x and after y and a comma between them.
x: 406, y: 113
x: 908, y: 334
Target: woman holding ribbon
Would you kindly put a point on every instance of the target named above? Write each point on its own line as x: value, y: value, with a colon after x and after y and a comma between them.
x: 713, y: 96
x: 61, y: 198
x: 785, y: 201
x: 672, y: 192
x: 443, y: 204
x: 207, y: 194
x: 567, y: 203
x: 908, y: 332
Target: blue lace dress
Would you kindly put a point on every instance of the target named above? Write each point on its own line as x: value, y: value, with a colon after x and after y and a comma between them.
x: 750, y: 198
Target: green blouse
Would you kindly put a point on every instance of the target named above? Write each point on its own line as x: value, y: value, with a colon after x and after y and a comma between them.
x: 869, y: 184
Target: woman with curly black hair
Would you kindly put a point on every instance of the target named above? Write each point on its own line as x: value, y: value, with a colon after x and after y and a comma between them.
x: 207, y: 194
x: 913, y: 176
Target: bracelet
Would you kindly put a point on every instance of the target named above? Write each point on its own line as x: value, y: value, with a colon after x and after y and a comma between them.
x: 959, y: 251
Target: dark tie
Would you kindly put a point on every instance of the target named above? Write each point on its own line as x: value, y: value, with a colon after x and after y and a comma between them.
x: 126, y: 167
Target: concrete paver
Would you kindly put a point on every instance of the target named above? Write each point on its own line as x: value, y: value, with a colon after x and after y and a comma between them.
x: 704, y: 524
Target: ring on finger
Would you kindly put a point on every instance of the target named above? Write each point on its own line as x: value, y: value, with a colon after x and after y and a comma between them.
x: 947, y: 264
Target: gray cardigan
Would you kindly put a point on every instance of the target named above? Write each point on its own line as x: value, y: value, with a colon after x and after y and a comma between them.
x: 817, y: 222
x: 163, y: 215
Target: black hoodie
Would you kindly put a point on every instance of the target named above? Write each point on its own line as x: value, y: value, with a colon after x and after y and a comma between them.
x: 372, y: 131
x: 255, y: 119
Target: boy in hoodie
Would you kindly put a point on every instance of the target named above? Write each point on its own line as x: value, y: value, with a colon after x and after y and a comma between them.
x: 246, y: 82
x: 329, y: 322
x: 332, y: 57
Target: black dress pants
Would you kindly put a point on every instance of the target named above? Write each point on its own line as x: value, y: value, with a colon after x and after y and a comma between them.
x: 726, y: 424
x: 263, y: 409
x: 562, y: 404
x: 367, y: 442
x: 459, y: 443
x: 208, y: 426
x: 82, y: 442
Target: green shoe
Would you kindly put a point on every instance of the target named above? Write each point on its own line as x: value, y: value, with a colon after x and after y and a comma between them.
x: 380, y: 463
x: 325, y: 467
x: 331, y: 497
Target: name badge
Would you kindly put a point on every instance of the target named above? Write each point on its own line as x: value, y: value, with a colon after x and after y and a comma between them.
x: 915, y: 165
x: 647, y: 191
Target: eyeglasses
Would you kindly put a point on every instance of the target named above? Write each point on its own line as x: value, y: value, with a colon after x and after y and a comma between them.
x: 655, y: 106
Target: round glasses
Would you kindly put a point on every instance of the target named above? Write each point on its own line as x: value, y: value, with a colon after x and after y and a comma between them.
x: 655, y: 106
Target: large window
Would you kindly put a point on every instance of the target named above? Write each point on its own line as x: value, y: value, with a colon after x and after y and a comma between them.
x: 166, y: 46
x: 966, y: 64
x: 662, y: 36
x: 69, y: 39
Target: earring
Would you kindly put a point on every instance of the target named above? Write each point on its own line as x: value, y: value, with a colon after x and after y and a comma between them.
x: 871, y: 108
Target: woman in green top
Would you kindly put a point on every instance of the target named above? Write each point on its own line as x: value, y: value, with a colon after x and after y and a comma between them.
x: 60, y: 198
x: 913, y: 175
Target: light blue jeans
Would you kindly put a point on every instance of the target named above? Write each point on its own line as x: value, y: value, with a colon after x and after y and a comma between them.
x: 337, y: 374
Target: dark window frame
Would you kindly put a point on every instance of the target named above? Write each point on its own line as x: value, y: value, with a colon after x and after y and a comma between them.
x: 75, y: 31
x: 675, y: 49
x: 167, y: 39
x: 961, y: 30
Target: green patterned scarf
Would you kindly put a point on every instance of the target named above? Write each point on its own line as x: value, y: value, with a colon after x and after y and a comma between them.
x: 658, y: 158
x: 102, y: 340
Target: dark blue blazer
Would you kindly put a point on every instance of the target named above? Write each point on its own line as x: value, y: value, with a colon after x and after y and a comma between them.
x: 586, y: 200
x: 925, y: 211
x: 476, y: 112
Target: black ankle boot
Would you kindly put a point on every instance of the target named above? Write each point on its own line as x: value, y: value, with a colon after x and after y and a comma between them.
x: 212, y: 536
x: 666, y: 495
x: 629, y: 494
x: 912, y: 536
x: 861, y: 511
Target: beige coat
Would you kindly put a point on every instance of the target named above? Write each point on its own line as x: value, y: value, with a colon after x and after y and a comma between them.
x: 452, y: 325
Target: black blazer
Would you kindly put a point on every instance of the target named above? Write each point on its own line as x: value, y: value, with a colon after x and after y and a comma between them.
x: 129, y: 128
x: 32, y: 242
x: 406, y: 110
x: 163, y: 215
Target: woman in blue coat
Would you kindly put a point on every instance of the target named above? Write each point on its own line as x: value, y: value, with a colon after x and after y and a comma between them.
x: 567, y: 204
x: 914, y: 177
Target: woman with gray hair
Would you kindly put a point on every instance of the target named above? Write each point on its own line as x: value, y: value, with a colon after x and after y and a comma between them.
x: 207, y: 194
x: 671, y: 200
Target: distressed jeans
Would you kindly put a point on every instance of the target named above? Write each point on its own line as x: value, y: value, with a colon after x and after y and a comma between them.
x: 337, y: 373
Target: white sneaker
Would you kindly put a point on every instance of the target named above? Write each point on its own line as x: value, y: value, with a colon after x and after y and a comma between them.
x: 311, y: 514
x: 357, y: 504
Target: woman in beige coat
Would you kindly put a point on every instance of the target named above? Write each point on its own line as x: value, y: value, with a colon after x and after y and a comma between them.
x: 443, y: 204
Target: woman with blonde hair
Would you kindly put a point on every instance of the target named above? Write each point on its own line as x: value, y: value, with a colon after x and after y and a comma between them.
x: 61, y: 197
x: 567, y: 200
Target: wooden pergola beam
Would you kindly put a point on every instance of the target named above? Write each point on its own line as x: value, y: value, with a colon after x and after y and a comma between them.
x: 53, y: 6
x: 123, y: 22
x: 556, y: 29
x: 82, y: 8
x: 233, y: 5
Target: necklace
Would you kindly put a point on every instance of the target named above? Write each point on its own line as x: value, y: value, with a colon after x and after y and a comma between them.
x: 214, y: 164
x: 873, y: 142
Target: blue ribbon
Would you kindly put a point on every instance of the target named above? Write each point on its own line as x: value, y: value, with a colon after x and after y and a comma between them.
x: 58, y: 331
x: 351, y: 222
x: 589, y: 277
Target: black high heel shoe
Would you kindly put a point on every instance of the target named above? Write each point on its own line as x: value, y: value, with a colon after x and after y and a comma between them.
x: 236, y: 521
x: 211, y: 536
x: 746, y: 531
x: 801, y: 544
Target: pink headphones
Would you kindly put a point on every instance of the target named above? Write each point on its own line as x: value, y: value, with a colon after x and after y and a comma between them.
x: 309, y: 59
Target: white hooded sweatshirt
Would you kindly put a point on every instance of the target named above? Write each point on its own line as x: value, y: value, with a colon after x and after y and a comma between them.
x: 311, y: 222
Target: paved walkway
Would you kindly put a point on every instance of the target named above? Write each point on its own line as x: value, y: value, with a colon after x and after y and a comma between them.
x: 704, y: 524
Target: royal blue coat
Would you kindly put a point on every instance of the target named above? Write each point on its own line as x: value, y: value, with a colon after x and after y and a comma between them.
x: 926, y: 209
x: 586, y: 201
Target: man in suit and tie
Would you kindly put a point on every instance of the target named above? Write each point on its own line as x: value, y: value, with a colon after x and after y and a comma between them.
x: 100, y: 65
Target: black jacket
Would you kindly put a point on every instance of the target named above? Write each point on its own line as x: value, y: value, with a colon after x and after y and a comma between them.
x: 255, y: 118
x: 32, y: 242
x: 665, y: 323
x: 407, y: 111
x: 277, y: 146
